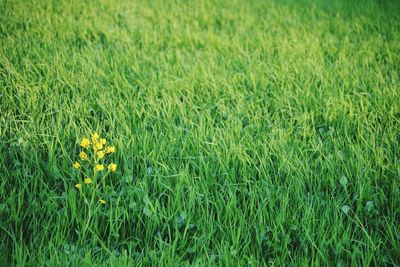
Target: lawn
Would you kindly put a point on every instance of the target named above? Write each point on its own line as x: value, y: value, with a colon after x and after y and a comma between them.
x: 246, y: 133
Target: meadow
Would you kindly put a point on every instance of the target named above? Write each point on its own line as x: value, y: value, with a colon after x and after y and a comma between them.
x: 246, y: 133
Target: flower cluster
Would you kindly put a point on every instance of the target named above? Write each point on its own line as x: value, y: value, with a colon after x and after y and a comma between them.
x: 93, y: 159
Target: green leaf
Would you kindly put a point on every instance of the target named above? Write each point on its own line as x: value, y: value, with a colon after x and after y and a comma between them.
x: 344, y: 181
x: 346, y: 209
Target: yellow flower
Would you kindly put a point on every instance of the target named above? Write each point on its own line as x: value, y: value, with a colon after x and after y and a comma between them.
x: 98, y: 146
x: 112, y: 167
x: 87, y: 181
x: 102, y: 202
x: 76, y: 165
x: 100, y: 154
x: 103, y: 141
x: 85, y: 143
x: 95, y: 138
x: 99, y: 167
x: 110, y: 149
x: 83, y: 155
x: 78, y: 186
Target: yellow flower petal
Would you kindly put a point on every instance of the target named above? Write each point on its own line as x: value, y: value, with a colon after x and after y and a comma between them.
x: 83, y: 156
x: 85, y: 143
x: 100, y: 154
x: 98, y: 146
x: 95, y: 138
x: 99, y: 167
x: 110, y: 149
x: 76, y: 165
x: 112, y: 167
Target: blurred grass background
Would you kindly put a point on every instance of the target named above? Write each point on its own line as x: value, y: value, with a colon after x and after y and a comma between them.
x: 248, y: 132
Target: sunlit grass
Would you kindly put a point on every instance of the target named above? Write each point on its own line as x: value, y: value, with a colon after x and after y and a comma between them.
x: 245, y: 133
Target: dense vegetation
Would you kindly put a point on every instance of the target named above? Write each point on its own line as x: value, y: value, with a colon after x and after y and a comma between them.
x: 246, y: 132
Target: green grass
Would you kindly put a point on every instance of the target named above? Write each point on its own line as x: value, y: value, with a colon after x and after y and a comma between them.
x: 248, y: 132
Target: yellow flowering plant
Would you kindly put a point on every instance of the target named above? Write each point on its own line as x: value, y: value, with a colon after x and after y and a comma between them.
x: 93, y: 165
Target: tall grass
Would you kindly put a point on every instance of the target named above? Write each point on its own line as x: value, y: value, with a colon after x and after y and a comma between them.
x: 247, y: 132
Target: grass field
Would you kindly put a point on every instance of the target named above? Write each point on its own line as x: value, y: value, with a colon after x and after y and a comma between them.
x: 247, y: 133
